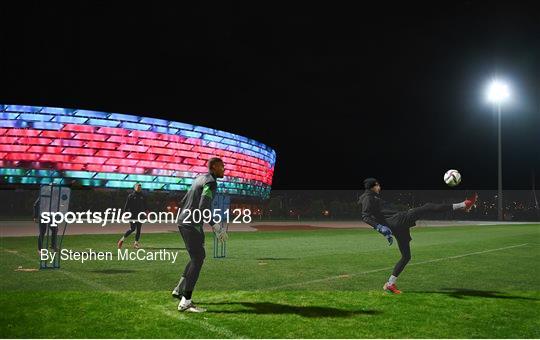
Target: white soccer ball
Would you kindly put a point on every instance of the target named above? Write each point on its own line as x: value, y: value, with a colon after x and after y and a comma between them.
x: 452, y: 178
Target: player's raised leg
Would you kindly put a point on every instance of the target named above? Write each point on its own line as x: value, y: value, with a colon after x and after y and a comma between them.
x: 470, y: 202
x: 401, y: 223
x: 417, y: 213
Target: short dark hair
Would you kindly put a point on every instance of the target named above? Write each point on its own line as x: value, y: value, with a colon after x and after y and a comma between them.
x: 370, y: 182
x: 213, y: 161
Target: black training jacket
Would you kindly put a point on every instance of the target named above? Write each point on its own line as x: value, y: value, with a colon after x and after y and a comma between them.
x: 199, y: 197
x: 135, y: 203
x: 371, y: 207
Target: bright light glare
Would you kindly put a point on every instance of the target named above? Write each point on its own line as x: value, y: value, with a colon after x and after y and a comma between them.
x: 497, y: 92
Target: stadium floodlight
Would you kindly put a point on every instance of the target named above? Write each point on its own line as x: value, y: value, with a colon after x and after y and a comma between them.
x: 497, y: 93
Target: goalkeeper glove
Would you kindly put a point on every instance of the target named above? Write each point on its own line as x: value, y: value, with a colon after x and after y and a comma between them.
x: 386, y: 232
x: 220, y: 231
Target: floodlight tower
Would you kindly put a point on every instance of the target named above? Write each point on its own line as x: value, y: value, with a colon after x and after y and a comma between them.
x: 497, y: 93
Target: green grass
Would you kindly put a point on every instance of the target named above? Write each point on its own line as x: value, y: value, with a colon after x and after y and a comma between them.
x: 462, y: 282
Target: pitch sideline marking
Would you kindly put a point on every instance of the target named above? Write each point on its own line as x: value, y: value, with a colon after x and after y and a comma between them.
x: 237, y: 294
x: 387, y: 268
x: 230, y: 334
x: 222, y: 331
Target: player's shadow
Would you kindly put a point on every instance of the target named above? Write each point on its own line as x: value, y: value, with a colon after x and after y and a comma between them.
x: 276, y: 308
x: 460, y: 293
x: 113, y: 271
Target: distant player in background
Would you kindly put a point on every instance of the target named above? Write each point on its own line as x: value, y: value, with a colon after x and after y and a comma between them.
x: 135, y: 203
x: 199, y: 198
x: 398, y: 223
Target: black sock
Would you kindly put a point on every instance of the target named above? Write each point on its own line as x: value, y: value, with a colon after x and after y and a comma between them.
x: 187, y: 294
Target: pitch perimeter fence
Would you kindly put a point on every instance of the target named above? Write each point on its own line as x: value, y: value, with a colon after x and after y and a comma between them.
x: 299, y: 205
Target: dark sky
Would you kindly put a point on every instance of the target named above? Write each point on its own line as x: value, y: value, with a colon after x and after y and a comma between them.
x: 341, y: 93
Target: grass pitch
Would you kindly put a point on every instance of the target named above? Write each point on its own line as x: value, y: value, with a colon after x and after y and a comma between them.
x: 462, y: 282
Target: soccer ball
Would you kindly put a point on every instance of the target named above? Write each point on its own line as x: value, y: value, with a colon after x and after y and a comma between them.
x: 452, y: 177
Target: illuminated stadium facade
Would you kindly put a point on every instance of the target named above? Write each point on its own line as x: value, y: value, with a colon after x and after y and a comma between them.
x: 42, y: 145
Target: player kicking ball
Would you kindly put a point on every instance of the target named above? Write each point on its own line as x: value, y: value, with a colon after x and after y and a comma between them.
x: 397, y: 224
x: 199, y: 198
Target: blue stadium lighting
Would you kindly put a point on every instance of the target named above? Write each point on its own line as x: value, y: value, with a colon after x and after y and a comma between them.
x: 104, y: 122
x: 70, y: 119
x: 47, y: 126
x: 93, y: 114
x: 35, y: 117
x: 189, y: 134
x: 154, y: 121
x: 135, y: 126
x: 124, y: 117
x: 165, y: 130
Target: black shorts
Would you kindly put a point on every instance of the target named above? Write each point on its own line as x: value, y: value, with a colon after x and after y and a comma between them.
x: 193, y: 238
x: 401, y: 223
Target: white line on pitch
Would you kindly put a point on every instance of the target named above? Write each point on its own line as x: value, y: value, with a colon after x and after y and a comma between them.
x: 222, y: 331
x: 389, y: 268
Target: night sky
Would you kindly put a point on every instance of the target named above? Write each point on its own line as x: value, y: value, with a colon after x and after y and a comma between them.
x: 341, y: 93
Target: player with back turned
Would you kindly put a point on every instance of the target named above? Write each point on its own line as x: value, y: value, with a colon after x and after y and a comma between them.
x: 398, y: 223
x: 197, y: 200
